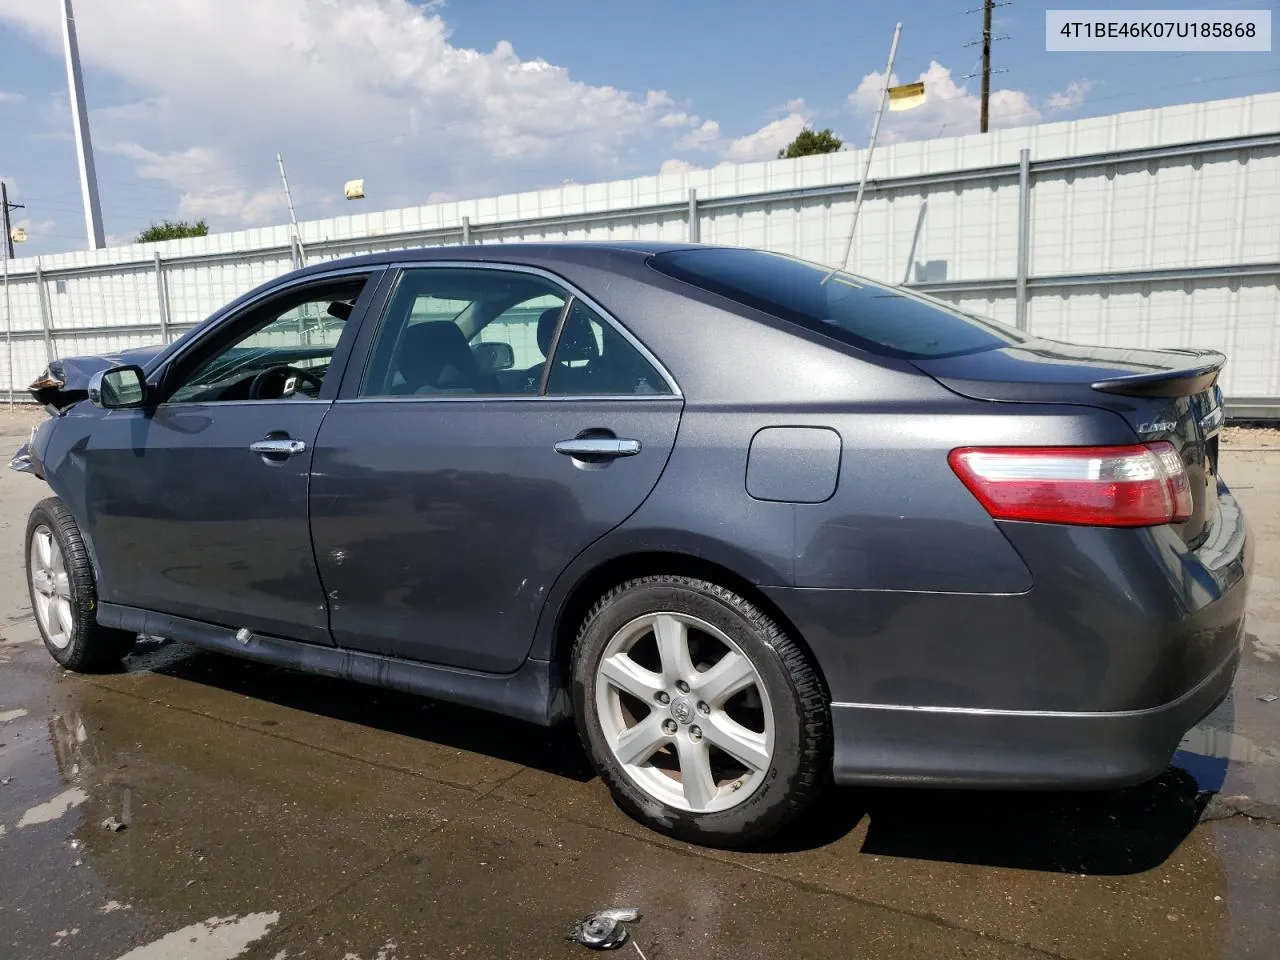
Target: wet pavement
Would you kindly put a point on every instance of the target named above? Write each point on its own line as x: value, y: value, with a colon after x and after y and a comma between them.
x: 269, y: 814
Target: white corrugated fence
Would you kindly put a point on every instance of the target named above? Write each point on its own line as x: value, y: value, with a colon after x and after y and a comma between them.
x: 1152, y: 228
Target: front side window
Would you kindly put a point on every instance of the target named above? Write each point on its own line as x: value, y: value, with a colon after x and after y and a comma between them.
x: 283, y: 353
x: 886, y: 320
x: 455, y: 331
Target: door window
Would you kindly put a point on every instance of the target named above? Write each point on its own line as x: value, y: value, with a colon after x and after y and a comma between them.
x: 278, y: 350
x: 593, y: 359
x: 464, y: 332
x: 459, y: 331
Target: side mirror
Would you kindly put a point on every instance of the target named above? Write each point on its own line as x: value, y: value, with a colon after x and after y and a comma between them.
x: 118, y: 388
x: 492, y: 357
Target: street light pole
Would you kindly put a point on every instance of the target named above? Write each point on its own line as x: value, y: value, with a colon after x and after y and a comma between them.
x: 84, y: 145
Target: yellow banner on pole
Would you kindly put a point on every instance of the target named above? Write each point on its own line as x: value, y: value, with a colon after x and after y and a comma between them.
x: 906, y: 96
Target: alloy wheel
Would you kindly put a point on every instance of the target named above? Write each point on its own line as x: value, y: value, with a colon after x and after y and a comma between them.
x: 685, y: 712
x: 51, y: 588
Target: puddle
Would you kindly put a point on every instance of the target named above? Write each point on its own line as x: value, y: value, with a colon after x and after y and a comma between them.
x: 7, y: 715
x: 218, y: 938
x: 53, y: 809
x: 1227, y: 745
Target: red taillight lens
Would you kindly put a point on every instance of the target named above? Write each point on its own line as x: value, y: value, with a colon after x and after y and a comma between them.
x: 1133, y: 486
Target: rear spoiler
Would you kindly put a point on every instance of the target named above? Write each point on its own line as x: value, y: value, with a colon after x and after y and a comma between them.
x: 1176, y: 382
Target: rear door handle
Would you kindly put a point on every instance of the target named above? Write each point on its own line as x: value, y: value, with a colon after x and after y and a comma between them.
x: 278, y: 448
x: 598, y: 448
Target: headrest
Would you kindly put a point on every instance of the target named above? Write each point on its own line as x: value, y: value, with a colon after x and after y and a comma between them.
x: 427, y: 349
x: 577, y: 340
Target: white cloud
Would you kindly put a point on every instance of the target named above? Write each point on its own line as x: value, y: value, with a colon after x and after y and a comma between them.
x: 679, y: 119
x: 7, y: 97
x: 440, y: 196
x: 705, y: 136
x: 207, y: 183
x: 676, y: 165
x: 358, y: 88
x: 1072, y: 97
x: 949, y: 108
x: 765, y: 143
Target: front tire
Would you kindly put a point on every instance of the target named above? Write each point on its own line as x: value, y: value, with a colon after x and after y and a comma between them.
x: 64, y: 596
x: 706, y: 721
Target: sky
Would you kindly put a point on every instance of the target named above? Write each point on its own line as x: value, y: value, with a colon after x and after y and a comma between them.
x: 190, y: 100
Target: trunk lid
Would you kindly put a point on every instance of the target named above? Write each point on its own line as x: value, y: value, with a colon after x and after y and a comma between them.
x: 1162, y: 394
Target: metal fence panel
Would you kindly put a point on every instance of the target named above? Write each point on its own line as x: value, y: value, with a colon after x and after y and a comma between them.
x: 1150, y: 228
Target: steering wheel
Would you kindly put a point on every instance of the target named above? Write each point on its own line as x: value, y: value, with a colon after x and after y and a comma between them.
x: 283, y: 373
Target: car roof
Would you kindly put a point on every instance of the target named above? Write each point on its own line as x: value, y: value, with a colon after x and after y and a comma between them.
x: 582, y: 253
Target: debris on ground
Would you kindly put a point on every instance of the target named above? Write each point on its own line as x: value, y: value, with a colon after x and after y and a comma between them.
x: 114, y: 825
x: 605, y: 929
x: 1269, y: 697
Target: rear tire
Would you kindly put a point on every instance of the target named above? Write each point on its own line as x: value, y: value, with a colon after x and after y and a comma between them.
x: 64, y: 595
x: 705, y: 720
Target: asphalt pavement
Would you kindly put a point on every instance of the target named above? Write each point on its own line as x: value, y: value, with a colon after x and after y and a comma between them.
x: 195, y: 806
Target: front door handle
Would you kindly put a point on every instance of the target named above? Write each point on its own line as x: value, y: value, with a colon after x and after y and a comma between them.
x: 278, y: 448
x: 598, y: 448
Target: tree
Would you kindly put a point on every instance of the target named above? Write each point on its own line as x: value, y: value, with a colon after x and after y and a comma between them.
x: 173, y: 230
x: 809, y: 143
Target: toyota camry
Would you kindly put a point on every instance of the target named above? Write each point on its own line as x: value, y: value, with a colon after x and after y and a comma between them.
x: 751, y: 524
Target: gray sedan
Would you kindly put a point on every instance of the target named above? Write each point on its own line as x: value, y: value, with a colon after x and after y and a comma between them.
x: 751, y: 525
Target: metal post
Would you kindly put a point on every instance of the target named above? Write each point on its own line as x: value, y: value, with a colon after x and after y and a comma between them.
x: 695, y: 223
x: 84, y: 145
x: 8, y: 329
x: 1024, y: 237
x: 866, y: 168
x: 466, y: 230
x: 162, y: 298
x: 46, y: 317
x: 293, y: 216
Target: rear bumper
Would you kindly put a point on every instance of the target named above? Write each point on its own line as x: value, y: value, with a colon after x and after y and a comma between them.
x: 959, y: 747
x: 1089, y: 679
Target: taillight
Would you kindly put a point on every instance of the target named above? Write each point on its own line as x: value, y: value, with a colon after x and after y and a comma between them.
x: 1132, y: 486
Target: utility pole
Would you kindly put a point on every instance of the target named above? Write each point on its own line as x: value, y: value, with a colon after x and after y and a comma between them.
x: 84, y: 145
x: 5, y: 207
x: 986, y: 61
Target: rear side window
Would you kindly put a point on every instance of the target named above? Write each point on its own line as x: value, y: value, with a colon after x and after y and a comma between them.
x: 890, y: 321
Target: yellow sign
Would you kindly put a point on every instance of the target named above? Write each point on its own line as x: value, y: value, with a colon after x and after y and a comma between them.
x: 906, y: 96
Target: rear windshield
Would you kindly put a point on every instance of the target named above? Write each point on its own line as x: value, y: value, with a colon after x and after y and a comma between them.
x: 891, y: 321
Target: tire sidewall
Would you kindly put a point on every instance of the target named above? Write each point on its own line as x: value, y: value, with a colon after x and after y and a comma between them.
x: 769, y: 803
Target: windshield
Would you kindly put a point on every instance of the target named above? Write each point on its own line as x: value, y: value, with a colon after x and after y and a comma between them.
x: 891, y: 321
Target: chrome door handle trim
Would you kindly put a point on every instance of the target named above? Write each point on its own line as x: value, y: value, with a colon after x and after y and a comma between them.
x: 598, y: 447
x: 278, y: 448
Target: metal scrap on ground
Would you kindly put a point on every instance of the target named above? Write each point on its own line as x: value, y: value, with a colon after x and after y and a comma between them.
x: 605, y: 929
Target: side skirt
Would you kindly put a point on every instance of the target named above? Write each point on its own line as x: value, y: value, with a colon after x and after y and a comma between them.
x: 535, y: 692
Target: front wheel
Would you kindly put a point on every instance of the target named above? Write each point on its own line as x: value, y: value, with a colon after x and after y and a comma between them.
x: 705, y: 720
x: 63, y: 594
